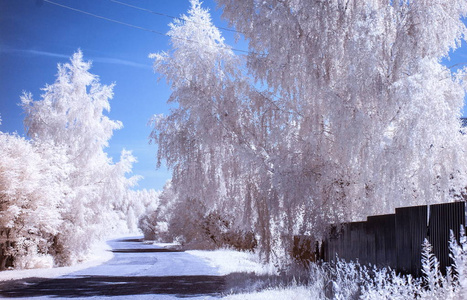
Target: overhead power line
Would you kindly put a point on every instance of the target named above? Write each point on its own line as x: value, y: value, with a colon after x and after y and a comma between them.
x: 104, y: 18
x: 166, y: 15
x: 143, y: 9
x: 131, y: 25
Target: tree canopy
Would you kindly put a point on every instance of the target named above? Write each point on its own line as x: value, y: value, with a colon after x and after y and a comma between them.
x: 59, y: 189
x: 341, y: 109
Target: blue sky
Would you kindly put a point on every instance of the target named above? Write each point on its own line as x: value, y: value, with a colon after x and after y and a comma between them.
x: 36, y: 35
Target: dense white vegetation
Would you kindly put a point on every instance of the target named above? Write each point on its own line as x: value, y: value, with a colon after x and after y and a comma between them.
x: 59, y: 191
x: 341, y: 109
x: 31, y: 190
x: 349, y: 280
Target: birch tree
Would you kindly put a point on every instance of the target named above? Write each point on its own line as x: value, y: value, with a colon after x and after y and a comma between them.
x: 378, y: 122
x: 215, y: 139
x: 341, y: 109
x: 70, y: 115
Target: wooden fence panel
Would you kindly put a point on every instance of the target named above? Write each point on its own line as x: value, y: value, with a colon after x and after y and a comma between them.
x: 411, y: 230
x: 383, y: 240
x: 396, y: 240
x: 442, y: 219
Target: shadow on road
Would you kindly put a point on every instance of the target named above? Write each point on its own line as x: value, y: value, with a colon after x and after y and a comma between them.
x: 92, y: 286
x: 149, y: 250
x: 180, y: 286
x: 103, y: 285
x: 131, y: 240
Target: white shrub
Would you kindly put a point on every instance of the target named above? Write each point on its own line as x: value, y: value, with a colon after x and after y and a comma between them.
x: 459, y: 257
x: 34, y: 261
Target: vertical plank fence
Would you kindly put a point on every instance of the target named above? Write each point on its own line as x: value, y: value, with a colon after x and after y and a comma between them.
x: 411, y: 231
x: 443, y: 219
x: 395, y: 240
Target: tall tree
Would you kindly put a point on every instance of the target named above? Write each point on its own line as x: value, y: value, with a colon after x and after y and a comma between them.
x: 378, y: 122
x: 71, y: 115
x: 342, y: 109
x: 218, y: 139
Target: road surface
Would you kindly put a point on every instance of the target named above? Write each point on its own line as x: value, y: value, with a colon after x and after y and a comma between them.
x: 137, y: 271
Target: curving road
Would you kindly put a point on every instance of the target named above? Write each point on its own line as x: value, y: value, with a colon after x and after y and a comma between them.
x: 137, y: 271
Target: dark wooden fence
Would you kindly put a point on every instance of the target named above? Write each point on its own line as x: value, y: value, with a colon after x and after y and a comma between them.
x: 396, y: 240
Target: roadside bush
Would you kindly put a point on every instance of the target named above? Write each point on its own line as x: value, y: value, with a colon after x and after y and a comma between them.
x: 148, y: 225
x: 240, y: 240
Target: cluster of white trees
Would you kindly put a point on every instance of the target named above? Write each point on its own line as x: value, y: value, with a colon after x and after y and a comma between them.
x: 59, y: 191
x: 340, y: 110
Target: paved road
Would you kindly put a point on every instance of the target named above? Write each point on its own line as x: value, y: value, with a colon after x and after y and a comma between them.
x: 137, y: 271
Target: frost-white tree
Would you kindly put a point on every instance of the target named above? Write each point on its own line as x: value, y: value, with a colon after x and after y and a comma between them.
x: 377, y: 122
x: 70, y: 115
x: 31, y: 190
x: 356, y: 114
x: 216, y: 139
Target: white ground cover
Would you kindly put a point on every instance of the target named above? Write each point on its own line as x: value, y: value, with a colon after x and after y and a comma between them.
x: 381, y: 284
x: 231, y: 261
x: 294, y: 292
x: 103, y: 263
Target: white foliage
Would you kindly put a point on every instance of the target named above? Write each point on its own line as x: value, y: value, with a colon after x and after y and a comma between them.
x: 95, y: 199
x: 293, y: 292
x: 142, y: 202
x: 31, y: 192
x: 71, y: 112
x: 386, y: 284
x: 35, y: 261
x: 341, y: 109
x: 157, y: 214
x: 431, y: 273
x: 352, y: 71
x: 459, y: 257
x: 348, y: 280
x: 230, y: 261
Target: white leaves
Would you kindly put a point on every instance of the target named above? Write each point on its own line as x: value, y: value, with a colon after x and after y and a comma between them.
x: 361, y: 69
x: 384, y: 284
x: 430, y: 268
x: 30, y: 190
x: 71, y: 110
x: 342, y: 110
x: 458, y: 254
x: 62, y: 188
x: 198, y: 48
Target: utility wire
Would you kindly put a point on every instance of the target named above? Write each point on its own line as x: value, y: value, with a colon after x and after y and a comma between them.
x: 104, y: 18
x: 144, y: 9
x: 132, y: 26
x: 165, y: 15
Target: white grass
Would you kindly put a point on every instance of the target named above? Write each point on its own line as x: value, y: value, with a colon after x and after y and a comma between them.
x: 166, y: 245
x: 294, y: 292
x: 231, y: 261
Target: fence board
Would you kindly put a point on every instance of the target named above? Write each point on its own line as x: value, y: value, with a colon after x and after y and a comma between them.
x: 396, y: 240
x: 382, y: 239
x: 411, y: 230
x: 442, y: 219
